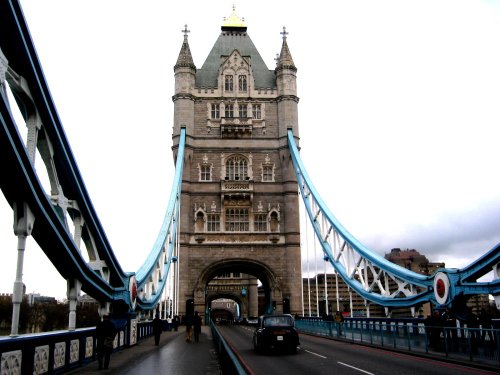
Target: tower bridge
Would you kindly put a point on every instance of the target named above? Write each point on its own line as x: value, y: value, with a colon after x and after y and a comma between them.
x: 232, y: 223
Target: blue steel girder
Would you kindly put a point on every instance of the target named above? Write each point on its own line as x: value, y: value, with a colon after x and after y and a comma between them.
x: 152, y: 276
x: 375, y: 278
x: 68, y: 198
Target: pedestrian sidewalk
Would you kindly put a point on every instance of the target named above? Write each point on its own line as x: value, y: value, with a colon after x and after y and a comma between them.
x: 173, y: 356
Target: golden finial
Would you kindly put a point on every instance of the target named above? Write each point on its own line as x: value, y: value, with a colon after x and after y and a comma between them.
x: 233, y: 20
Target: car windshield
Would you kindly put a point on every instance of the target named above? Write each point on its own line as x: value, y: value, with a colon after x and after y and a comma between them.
x: 278, y: 321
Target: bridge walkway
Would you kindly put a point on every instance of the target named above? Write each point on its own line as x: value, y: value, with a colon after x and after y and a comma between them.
x: 172, y: 356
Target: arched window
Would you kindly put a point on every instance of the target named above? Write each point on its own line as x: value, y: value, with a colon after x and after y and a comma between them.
x: 242, y: 83
x: 205, y: 174
x: 236, y: 168
x: 228, y: 83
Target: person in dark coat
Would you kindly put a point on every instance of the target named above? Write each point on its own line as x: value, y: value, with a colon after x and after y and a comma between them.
x: 105, y: 333
x: 197, y: 326
x: 433, y: 328
x: 157, y: 328
x: 339, y: 319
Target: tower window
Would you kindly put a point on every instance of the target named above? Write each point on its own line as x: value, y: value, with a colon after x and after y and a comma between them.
x: 215, y: 112
x: 260, y: 223
x: 205, y: 174
x: 229, y: 111
x: 213, y: 222
x: 236, y: 168
x: 256, y: 111
x: 267, y: 173
x: 237, y: 220
x: 242, y: 109
x: 228, y: 83
x: 242, y: 83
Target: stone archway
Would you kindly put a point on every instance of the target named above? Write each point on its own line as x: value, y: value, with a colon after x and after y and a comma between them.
x: 249, y: 300
x: 241, y: 302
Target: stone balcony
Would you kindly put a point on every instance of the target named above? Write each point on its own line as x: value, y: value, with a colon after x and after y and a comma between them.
x: 236, y: 127
x: 237, y: 189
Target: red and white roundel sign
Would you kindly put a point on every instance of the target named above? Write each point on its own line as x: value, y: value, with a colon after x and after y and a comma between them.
x: 441, y: 288
x: 132, y: 287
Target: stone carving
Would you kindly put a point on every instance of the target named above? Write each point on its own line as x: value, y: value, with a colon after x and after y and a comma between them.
x: 11, y: 362
x: 59, y: 354
x: 74, y: 351
x: 41, y: 360
x: 89, y: 346
x: 133, y: 332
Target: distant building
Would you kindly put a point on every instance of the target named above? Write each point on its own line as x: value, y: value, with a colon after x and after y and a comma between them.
x: 348, y: 302
x: 413, y: 261
x: 33, y: 298
x: 479, y: 302
x: 86, y: 300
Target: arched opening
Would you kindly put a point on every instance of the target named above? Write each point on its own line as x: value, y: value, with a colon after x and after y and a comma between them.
x: 274, y: 222
x: 224, y: 308
x: 286, y: 306
x: 250, y: 284
x: 200, y: 222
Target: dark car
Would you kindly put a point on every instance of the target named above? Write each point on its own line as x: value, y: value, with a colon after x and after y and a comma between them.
x: 276, y: 332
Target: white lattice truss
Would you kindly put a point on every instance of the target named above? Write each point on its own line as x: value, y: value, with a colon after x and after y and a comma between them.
x: 367, y: 273
x: 359, y: 269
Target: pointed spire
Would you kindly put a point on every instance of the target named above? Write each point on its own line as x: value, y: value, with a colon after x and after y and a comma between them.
x: 285, y: 60
x: 185, y: 58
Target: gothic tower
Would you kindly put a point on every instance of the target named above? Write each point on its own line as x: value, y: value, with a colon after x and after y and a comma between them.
x: 239, y: 199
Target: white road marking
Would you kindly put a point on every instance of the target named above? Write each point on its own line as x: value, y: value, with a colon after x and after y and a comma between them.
x: 319, y: 355
x: 355, y: 368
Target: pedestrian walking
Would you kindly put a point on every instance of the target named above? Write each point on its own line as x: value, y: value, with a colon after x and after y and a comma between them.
x: 105, y: 332
x: 339, y: 319
x: 197, y: 326
x: 157, y: 328
x: 176, y: 322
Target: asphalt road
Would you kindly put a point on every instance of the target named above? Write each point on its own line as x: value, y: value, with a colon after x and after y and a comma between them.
x: 323, y: 356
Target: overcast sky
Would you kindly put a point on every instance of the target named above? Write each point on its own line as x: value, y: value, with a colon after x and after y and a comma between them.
x: 399, y: 115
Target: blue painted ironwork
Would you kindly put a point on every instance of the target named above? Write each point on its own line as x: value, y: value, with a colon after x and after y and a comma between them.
x: 68, y: 200
x: 374, y: 277
x: 154, y: 271
x: 19, y: 181
x: 480, y: 345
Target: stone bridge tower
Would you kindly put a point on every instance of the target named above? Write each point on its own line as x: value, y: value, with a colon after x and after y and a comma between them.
x: 239, y: 226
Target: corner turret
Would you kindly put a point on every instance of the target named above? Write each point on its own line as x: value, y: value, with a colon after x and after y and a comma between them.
x: 286, y: 82
x: 185, y: 75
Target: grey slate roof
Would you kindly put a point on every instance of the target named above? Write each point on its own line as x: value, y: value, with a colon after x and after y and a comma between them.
x: 227, y: 42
